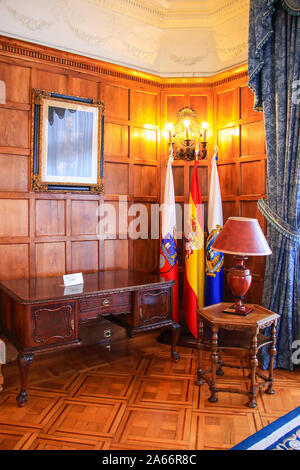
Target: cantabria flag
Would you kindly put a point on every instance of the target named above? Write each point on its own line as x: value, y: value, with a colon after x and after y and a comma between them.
x: 193, y: 290
x: 168, y: 263
x: 214, y: 260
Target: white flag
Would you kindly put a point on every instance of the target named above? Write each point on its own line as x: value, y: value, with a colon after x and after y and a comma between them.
x: 168, y: 262
x: 168, y: 222
x: 214, y: 260
x: 215, y: 214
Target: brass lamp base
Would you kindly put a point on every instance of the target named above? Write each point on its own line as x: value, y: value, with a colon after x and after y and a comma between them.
x: 239, y: 280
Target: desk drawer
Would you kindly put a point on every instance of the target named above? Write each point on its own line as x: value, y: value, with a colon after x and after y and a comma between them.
x: 154, y: 306
x: 108, y: 304
x: 55, y: 323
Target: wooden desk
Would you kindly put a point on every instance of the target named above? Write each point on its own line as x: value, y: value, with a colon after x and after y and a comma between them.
x: 41, y: 315
x: 230, y: 331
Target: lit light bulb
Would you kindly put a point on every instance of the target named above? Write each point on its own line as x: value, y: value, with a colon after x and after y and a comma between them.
x: 171, y: 131
x: 186, y: 123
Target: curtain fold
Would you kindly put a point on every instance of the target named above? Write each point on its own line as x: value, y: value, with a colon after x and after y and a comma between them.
x: 274, y: 64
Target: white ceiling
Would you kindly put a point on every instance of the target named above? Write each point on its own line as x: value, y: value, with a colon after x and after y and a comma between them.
x: 164, y: 37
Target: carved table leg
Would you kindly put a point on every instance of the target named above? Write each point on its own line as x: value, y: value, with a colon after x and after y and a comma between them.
x: 220, y: 371
x: 253, y: 366
x: 24, y: 361
x: 200, y: 346
x: 176, y: 328
x: 272, y: 354
x: 214, y: 362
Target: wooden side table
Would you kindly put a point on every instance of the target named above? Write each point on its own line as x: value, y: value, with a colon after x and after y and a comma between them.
x: 224, y: 328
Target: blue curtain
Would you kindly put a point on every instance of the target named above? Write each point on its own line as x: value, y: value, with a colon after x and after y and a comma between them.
x: 274, y: 64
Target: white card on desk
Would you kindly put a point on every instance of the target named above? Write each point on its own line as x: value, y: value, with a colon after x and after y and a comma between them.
x: 73, y: 279
x: 71, y: 290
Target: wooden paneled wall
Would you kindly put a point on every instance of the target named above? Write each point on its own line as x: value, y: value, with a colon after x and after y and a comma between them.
x: 132, y: 167
x: 50, y: 234
x: 46, y: 234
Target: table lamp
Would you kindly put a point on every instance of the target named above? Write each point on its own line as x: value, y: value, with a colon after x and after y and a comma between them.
x: 241, y: 237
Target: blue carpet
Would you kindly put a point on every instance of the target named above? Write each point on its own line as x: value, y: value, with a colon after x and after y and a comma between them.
x: 282, y: 434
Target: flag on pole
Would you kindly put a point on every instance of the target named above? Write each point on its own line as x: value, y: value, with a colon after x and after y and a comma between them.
x: 168, y: 263
x: 214, y: 260
x: 194, y: 275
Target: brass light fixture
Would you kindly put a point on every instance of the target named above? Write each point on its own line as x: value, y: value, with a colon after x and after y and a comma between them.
x: 188, y: 138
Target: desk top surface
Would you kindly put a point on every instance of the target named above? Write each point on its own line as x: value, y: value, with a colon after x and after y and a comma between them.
x: 52, y: 288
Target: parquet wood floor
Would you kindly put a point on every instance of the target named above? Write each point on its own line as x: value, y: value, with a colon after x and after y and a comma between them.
x: 133, y: 397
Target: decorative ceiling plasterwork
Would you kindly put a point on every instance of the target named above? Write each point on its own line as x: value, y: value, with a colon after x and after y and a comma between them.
x: 233, y: 51
x: 163, y: 37
x: 187, y: 61
x: 178, y: 13
x: 30, y: 23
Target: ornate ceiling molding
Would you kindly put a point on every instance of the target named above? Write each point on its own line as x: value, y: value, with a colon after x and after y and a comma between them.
x: 134, y: 8
x: 25, y: 50
x: 21, y: 49
x: 179, y: 14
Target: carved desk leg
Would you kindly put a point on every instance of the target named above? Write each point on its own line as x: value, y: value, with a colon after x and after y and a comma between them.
x: 214, y: 363
x: 272, y: 354
x: 175, y: 337
x: 253, y: 366
x: 24, y: 361
x: 200, y: 347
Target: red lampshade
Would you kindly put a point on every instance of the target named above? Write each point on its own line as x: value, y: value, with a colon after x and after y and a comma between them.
x: 242, y: 236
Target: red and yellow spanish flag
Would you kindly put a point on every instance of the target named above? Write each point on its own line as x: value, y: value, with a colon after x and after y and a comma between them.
x: 194, y: 273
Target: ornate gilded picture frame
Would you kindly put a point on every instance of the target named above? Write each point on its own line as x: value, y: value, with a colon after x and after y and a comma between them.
x: 67, y: 143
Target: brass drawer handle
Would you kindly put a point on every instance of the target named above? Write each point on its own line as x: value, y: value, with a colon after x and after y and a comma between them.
x: 106, y: 302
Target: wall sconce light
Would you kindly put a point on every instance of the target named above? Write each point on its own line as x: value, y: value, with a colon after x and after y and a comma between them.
x: 188, y: 139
